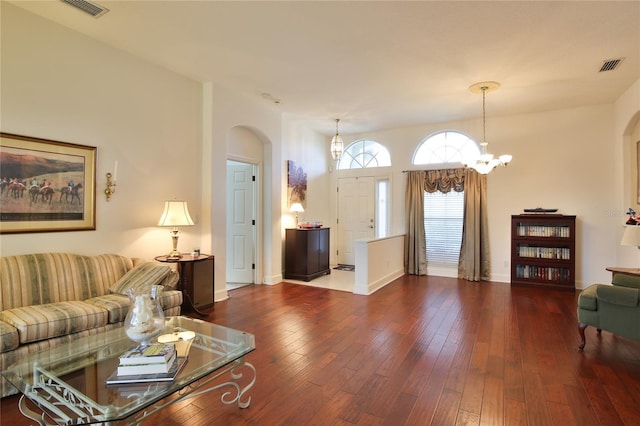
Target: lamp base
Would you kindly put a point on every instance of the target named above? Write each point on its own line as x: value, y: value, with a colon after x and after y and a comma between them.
x: 174, y: 255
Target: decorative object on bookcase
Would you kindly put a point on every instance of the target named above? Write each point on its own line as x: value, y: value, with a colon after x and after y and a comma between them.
x: 145, y: 318
x: 540, y: 210
x: 543, y: 250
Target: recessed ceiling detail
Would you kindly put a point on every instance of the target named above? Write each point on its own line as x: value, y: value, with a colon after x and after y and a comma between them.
x: 91, y: 8
x: 610, y: 64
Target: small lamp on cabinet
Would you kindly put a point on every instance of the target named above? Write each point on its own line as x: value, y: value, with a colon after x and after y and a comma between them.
x: 297, y: 209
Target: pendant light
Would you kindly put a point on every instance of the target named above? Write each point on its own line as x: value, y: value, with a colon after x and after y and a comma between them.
x: 485, y: 162
x: 337, y: 145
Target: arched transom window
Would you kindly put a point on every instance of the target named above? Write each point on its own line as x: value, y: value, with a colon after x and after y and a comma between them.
x: 446, y: 147
x: 364, y: 154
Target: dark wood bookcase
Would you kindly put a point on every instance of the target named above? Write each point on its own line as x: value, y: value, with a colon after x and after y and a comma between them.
x: 543, y: 251
x: 306, y: 253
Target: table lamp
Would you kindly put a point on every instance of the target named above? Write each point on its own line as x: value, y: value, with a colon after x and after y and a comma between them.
x: 631, y: 236
x: 176, y: 213
x: 297, y: 209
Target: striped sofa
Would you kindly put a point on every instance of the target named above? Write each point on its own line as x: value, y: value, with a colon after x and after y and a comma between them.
x: 50, y: 298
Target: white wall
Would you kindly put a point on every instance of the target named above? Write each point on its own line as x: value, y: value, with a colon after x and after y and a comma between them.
x: 561, y: 159
x: 58, y: 84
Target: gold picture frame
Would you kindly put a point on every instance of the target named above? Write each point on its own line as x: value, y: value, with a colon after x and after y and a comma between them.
x: 46, y: 185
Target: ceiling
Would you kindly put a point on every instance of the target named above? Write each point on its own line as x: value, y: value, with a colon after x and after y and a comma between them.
x: 378, y: 65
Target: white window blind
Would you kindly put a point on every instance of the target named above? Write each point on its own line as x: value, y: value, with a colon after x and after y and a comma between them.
x: 443, y: 214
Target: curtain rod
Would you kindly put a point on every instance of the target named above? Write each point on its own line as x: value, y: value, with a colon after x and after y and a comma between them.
x: 426, y: 170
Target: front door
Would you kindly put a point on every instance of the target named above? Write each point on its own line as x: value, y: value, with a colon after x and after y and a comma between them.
x: 356, y: 213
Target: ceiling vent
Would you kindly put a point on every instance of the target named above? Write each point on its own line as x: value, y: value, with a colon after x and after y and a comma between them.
x: 610, y: 64
x: 91, y: 8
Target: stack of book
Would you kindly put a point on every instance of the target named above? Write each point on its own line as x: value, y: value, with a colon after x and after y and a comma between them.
x: 151, y: 363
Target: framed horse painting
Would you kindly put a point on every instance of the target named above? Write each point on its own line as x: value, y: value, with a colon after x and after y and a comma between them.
x: 45, y: 185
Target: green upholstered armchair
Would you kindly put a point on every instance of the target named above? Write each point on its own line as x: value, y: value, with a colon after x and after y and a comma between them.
x: 613, y: 308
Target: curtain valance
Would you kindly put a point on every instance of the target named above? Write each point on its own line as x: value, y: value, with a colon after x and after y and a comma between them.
x: 443, y: 180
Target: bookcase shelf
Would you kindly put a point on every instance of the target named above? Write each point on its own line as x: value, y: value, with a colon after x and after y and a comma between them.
x: 543, y: 251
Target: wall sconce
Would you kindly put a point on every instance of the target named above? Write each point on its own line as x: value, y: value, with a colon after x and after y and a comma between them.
x: 111, y: 182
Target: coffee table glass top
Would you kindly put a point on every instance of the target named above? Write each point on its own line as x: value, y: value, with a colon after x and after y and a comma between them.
x: 71, y: 377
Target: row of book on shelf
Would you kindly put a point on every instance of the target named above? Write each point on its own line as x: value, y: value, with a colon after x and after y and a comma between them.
x: 543, y: 231
x: 148, y: 363
x: 543, y: 273
x: 544, y: 252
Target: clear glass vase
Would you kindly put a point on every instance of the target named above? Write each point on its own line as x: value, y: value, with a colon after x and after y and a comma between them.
x: 145, y: 318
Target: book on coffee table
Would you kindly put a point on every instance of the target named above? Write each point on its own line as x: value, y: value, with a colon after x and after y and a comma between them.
x: 150, y: 368
x: 149, y: 354
x: 115, y: 379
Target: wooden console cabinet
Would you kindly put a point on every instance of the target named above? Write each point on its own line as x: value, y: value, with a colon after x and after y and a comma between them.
x: 306, y: 253
x: 543, y: 251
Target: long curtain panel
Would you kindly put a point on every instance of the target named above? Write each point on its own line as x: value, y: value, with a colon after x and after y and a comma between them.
x: 474, y: 263
x: 474, y: 253
x: 415, y: 258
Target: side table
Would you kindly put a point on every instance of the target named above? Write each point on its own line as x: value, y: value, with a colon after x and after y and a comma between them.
x: 624, y: 271
x: 196, y: 280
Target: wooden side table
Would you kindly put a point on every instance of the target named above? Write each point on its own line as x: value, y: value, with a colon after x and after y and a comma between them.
x: 196, y: 280
x: 624, y: 271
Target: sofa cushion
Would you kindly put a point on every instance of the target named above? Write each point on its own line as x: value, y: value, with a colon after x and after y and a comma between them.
x: 116, y: 305
x: 9, y: 339
x: 142, y: 276
x: 624, y: 280
x: 588, y: 299
x: 41, y: 278
x: 54, y: 319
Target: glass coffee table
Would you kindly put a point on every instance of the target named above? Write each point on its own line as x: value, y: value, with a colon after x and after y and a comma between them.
x: 68, y: 382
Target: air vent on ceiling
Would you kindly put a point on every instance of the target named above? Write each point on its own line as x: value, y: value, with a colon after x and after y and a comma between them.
x: 610, y: 64
x: 91, y: 8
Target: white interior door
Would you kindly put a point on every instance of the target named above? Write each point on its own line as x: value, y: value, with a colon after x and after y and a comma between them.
x: 240, y: 223
x: 356, y: 215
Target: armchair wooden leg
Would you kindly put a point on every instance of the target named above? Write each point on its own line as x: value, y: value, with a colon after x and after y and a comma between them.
x: 581, y: 328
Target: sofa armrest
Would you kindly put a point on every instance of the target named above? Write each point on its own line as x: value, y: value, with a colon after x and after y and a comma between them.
x: 621, y: 296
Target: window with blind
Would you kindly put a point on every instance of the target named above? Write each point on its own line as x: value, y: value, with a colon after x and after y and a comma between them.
x: 443, y: 214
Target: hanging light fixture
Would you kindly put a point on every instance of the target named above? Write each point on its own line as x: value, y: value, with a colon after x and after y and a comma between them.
x: 337, y: 145
x: 485, y: 162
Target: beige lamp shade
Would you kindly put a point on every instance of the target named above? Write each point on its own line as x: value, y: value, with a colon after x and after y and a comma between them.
x: 176, y: 213
x: 296, y: 208
x: 631, y: 236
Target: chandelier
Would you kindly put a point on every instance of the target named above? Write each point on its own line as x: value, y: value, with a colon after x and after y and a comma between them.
x: 337, y: 145
x: 484, y: 163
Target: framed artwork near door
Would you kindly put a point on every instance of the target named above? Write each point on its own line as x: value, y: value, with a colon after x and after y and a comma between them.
x: 46, y: 185
x: 296, y: 184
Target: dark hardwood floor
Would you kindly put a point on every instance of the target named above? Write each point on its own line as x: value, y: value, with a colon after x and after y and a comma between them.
x: 421, y: 351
